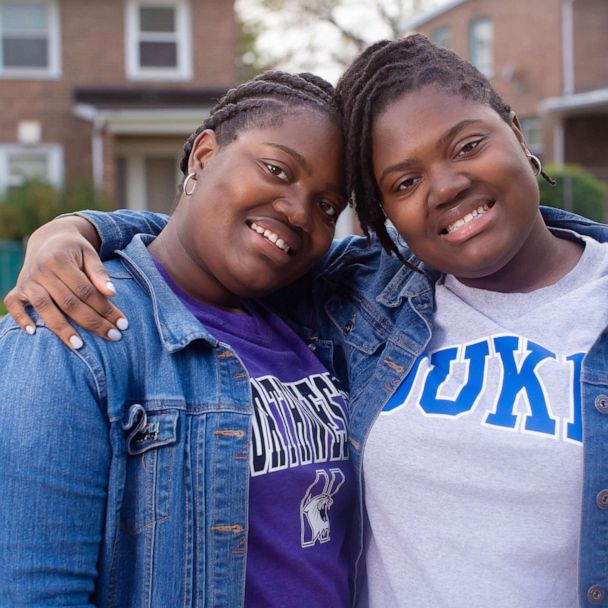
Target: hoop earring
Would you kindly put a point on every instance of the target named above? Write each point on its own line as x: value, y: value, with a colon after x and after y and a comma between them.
x: 190, y: 176
x: 536, y: 164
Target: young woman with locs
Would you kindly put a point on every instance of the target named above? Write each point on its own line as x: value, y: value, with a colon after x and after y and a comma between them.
x: 475, y: 357
x: 202, y: 460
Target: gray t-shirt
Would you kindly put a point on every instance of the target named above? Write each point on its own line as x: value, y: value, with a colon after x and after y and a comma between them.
x: 473, y: 471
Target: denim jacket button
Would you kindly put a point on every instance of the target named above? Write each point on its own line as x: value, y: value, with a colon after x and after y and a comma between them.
x: 596, y: 594
x: 601, y: 404
x: 602, y: 499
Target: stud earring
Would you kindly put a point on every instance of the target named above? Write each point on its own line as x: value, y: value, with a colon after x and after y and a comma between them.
x: 535, y: 162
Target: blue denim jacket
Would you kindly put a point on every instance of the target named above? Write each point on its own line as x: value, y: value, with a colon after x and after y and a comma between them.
x: 125, y: 464
x: 372, y: 317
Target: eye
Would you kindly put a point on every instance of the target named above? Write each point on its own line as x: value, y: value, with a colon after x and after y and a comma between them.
x: 328, y: 209
x: 277, y: 171
x: 468, y: 147
x: 407, y: 184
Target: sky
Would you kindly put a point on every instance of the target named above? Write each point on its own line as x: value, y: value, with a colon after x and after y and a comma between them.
x: 297, y: 43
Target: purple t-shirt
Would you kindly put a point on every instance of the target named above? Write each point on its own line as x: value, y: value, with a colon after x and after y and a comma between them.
x: 301, y: 493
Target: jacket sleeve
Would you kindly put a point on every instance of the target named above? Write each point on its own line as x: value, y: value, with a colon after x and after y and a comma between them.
x: 117, y: 229
x: 55, y: 455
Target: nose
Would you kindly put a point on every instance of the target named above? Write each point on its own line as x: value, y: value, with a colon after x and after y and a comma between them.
x: 297, y: 209
x: 447, y: 182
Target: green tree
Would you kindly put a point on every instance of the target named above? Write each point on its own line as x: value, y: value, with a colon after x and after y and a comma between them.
x: 576, y: 190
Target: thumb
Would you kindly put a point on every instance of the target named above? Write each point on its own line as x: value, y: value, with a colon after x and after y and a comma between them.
x: 97, y: 273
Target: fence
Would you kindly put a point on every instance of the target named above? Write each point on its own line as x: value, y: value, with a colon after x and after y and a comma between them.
x: 11, y: 258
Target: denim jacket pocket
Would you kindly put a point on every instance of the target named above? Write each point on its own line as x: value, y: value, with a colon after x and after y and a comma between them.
x: 150, y: 442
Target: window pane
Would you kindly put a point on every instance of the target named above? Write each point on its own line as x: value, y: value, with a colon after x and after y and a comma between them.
x: 480, y: 42
x: 24, y: 17
x: 25, y: 53
x: 158, y: 54
x: 157, y: 19
x: 22, y: 167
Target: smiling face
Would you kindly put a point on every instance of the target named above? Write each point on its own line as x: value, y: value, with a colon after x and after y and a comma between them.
x: 263, y: 211
x: 456, y: 183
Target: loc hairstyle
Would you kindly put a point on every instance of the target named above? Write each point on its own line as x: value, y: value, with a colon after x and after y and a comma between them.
x: 263, y: 102
x: 380, y: 75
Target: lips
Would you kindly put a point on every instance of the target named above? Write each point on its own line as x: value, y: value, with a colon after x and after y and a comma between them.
x: 275, y: 232
x: 468, y: 217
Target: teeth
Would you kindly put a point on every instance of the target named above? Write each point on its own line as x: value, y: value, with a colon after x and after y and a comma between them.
x: 271, y: 236
x: 468, y: 217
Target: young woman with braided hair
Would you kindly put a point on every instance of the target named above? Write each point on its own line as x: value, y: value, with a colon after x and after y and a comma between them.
x: 474, y: 356
x: 204, y: 461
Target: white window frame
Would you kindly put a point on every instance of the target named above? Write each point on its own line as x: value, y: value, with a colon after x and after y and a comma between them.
x: 53, y: 70
x: 183, y: 39
x: 474, y: 39
x: 54, y: 162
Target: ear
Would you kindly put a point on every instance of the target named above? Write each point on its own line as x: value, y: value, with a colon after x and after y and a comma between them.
x: 516, y: 126
x: 204, y: 148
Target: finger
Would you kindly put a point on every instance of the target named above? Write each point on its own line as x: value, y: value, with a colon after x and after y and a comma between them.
x: 40, y: 299
x: 15, y: 305
x: 96, y: 271
x: 73, y: 305
x: 97, y: 306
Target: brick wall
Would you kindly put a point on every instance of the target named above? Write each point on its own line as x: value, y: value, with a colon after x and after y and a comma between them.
x: 527, y: 46
x: 93, y: 54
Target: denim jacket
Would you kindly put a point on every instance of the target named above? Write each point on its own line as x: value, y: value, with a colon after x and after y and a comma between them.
x: 372, y: 317
x: 126, y: 467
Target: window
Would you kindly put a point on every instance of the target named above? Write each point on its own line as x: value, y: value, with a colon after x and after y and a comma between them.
x: 442, y: 36
x: 481, y: 38
x: 29, y: 39
x: 532, y: 129
x: 20, y: 163
x: 158, y: 40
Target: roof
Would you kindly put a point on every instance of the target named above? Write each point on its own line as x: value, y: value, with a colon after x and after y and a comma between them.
x: 577, y: 103
x: 421, y: 18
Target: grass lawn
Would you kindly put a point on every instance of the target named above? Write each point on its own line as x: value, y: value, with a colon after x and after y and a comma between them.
x: 2, y: 308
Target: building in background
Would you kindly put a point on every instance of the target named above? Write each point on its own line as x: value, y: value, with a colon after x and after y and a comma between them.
x: 107, y: 91
x: 547, y: 58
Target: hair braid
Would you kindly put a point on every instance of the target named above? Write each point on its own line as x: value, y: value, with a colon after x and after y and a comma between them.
x: 262, y: 102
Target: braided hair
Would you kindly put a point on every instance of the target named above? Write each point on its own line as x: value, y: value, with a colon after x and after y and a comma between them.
x: 381, y: 74
x: 263, y: 102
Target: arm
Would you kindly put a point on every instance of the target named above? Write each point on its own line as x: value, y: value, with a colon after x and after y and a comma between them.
x: 62, y: 272
x: 53, y: 486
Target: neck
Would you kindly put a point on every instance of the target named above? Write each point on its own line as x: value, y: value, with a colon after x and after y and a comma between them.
x: 190, y: 274
x: 542, y: 260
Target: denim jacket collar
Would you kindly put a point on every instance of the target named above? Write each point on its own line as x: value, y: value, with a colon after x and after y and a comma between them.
x: 176, y: 326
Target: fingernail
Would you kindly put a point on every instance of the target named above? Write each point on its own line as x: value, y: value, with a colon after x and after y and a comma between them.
x: 122, y: 324
x: 111, y: 287
x: 30, y: 329
x: 114, y: 335
x: 76, y: 342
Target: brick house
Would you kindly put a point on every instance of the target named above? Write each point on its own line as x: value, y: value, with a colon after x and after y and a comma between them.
x: 107, y: 92
x: 547, y: 58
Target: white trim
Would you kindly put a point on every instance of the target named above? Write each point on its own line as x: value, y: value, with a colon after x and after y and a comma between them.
x: 53, y: 71
x: 568, y: 47
x: 576, y: 102
x: 183, y: 40
x: 148, y: 122
x: 415, y: 22
x: 54, y: 161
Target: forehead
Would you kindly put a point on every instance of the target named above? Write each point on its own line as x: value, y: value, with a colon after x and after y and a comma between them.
x: 424, y: 116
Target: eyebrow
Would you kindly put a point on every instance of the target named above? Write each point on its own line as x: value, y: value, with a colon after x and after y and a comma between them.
x: 446, y: 137
x: 295, y: 155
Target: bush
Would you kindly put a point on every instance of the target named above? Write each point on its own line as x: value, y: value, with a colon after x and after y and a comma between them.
x: 576, y: 190
x: 25, y: 208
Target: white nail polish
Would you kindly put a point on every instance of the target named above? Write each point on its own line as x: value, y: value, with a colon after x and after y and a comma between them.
x: 30, y: 329
x: 114, y: 335
x: 122, y: 323
x: 76, y: 342
x: 111, y: 287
